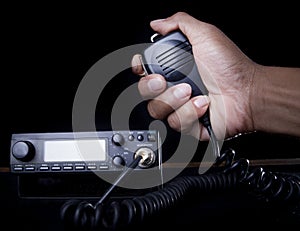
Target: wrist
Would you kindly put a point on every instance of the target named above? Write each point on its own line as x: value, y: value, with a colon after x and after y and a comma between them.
x: 274, y: 100
x: 256, y: 95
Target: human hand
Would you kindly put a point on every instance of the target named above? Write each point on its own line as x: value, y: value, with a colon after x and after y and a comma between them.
x: 225, y: 70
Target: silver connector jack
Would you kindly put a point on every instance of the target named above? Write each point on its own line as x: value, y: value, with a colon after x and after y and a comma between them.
x: 148, y: 157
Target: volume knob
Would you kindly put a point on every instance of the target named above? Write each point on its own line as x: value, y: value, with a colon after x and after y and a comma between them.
x: 23, y: 150
x: 118, y: 161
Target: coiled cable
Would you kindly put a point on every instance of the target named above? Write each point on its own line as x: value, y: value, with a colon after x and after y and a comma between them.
x: 113, y: 215
x: 268, y: 185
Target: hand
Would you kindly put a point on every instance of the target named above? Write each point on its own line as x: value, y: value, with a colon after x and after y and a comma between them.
x: 225, y: 70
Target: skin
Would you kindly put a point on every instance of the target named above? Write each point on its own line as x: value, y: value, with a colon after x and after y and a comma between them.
x: 243, y: 97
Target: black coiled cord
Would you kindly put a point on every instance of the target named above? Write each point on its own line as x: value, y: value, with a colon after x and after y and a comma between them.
x: 264, y: 185
x: 117, y: 214
x: 82, y: 215
x: 269, y: 186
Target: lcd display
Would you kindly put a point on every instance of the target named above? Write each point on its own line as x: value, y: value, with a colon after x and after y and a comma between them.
x: 75, y: 150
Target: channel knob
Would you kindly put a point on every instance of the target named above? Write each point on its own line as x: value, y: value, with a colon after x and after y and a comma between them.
x: 118, y: 139
x: 23, y: 150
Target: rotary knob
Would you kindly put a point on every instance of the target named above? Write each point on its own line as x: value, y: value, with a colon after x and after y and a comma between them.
x: 118, y: 139
x: 118, y: 161
x: 23, y: 150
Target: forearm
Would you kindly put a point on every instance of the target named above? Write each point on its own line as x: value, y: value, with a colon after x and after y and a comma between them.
x: 275, y: 100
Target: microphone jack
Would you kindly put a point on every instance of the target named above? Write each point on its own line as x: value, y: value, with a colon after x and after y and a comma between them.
x: 148, y: 157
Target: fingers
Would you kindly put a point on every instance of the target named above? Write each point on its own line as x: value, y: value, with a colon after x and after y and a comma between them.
x: 181, y: 111
x: 194, y: 29
x: 184, y: 118
x: 173, y: 103
x: 173, y: 98
x: 151, y: 86
x: 174, y: 22
x: 179, y: 20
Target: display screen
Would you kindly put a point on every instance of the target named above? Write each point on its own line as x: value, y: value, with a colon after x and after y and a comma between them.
x: 75, y: 150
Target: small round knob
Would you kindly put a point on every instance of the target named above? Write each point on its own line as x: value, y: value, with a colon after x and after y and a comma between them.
x: 118, y: 161
x: 23, y: 150
x: 118, y: 139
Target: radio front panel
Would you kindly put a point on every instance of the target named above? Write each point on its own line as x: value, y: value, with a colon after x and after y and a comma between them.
x: 81, y: 151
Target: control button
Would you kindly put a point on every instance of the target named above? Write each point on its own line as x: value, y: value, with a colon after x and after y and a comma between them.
x: 91, y: 167
x: 18, y: 168
x: 56, y: 168
x: 79, y: 167
x: 151, y: 137
x: 30, y: 168
x: 23, y: 150
x: 140, y: 137
x: 118, y: 139
x: 44, y: 168
x: 67, y: 167
x: 103, y: 167
x: 118, y: 161
x: 131, y: 137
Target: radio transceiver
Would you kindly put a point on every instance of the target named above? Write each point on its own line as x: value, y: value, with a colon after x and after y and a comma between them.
x: 83, y: 151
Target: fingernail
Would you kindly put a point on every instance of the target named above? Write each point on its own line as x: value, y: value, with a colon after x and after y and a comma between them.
x: 182, y: 91
x: 134, y: 62
x: 157, y: 20
x: 201, y: 101
x: 155, y: 84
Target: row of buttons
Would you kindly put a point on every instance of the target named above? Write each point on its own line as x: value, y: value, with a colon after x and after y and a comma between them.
x: 140, y: 137
x: 60, y: 168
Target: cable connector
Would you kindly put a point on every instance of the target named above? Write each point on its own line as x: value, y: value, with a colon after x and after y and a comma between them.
x: 148, y: 157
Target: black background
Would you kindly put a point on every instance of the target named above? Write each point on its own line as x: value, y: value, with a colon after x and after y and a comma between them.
x: 47, y: 48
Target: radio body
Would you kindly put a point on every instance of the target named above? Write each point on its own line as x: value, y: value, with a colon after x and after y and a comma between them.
x: 82, y: 151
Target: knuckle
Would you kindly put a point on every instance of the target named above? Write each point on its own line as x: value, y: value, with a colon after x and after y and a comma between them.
x: 173, y: 121
x: 152, y: 109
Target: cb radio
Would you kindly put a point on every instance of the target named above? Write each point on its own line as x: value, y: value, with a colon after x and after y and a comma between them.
x: 79, y: 152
